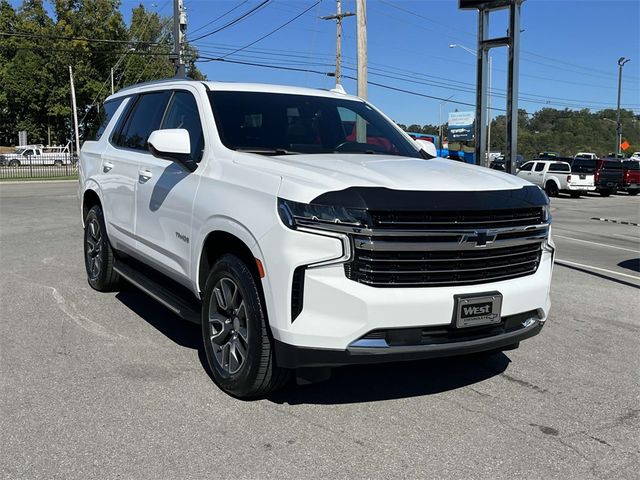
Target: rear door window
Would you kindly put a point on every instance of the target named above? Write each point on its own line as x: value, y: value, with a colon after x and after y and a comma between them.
x: 143, y: 118
x: 104, y: 117
x: 539, y: 166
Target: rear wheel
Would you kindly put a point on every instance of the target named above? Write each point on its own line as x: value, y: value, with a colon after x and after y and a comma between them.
x: 605, y: 192
x: 551, y: 188
x: 58, y: 163
x: 236, y: 339
x: 98, y: 254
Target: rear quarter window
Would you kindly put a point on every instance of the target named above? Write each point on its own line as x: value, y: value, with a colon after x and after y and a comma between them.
x: 559, y: 167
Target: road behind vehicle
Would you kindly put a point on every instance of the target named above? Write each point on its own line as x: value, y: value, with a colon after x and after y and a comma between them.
x: 608, y: 177
x: 555, y: 176
x: 631, y: 176
x: 251, y: 210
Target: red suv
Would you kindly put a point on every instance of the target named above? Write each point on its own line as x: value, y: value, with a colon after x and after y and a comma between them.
x: 631, y: 176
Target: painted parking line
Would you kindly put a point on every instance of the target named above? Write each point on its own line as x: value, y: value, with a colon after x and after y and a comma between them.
x: 559, y: 261
x: 555, y: 235
x: 611, y: 220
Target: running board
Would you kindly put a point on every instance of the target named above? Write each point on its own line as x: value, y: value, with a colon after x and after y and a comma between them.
x: 177, y: 304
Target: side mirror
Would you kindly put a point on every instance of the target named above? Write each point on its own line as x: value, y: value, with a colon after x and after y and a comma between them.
x: 172, y: 144
x: 428, y: 147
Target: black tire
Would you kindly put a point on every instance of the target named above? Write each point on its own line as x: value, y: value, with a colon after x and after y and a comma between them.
x: 575, y: 194
x: 98, y: 254
x: 632, y: 192
x: 57, y: 163
x: 605, y: 192
x: 551, y: 188
x: 223, y: 313
x: 14, y: 163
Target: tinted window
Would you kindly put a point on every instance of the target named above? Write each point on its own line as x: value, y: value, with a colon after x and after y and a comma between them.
x: 526, y: 167
x: 105, y: 114
x: 27, y: 153
x: 270, y: 122
x: 143, y: 118
x: 580, y: 165
x: 539, y: 166
x: 612, y: 165
x: 632, y: 165
x: 559, y: 167
x: 183, y: 113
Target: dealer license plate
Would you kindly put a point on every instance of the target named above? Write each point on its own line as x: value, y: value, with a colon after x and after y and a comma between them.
x: 476, y: 310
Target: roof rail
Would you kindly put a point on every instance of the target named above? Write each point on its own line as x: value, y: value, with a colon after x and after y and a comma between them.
x: 154, y: 82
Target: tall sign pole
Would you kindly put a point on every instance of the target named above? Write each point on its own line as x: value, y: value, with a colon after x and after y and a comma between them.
x: 485, y: 44
x: 338, y: 18
x: 621, y: 63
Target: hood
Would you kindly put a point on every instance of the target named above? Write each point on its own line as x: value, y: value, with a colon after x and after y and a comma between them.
x: 305, y: 177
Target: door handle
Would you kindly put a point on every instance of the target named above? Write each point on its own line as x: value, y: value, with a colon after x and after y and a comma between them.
x: 106, y: 166
x: 144, y: 175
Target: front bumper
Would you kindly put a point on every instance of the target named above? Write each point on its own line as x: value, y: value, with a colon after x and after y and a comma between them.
x: 291, y: 356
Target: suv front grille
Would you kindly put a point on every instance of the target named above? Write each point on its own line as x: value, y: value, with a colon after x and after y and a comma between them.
x: 427, y: 249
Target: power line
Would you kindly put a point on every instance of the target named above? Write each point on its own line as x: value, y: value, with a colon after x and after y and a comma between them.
x: 82, y: 39
x: 274, y: 30
x: 218, y: 18
x: 234, y: 21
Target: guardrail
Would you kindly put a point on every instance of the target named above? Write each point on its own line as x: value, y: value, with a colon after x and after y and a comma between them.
x: 36, y: 167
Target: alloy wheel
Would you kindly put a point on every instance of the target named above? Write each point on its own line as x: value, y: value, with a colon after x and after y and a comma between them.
x: 228, y: 326
x: 94, y: 248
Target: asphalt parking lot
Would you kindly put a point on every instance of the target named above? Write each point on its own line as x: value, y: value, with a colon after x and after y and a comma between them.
x: 113, y: 385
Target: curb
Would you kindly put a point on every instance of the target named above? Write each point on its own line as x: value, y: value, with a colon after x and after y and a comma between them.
x: 621, y: 222
x: 23, y: 182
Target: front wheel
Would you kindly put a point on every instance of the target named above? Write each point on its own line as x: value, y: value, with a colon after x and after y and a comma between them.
x: 552, y: 189
x: 57, y: 163
x: 575, y: 194
x: 605, y: 192
x: 14, y: 163
x: 632, y: 192
x: 98, y: 255
x: 237, y: 343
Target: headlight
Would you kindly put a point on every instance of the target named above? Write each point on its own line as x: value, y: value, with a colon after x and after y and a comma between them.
x: 546, y: 213
x: 328, y: 217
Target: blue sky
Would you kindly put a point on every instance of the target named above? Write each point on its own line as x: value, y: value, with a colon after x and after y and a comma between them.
x: 569, y: 50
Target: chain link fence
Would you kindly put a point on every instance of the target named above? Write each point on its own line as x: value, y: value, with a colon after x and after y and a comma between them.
x: 17, y: 167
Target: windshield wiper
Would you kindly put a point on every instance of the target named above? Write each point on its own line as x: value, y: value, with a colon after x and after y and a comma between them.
x: 267, y: 151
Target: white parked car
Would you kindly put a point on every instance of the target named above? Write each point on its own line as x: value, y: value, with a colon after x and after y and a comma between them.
x: 586, y: 155
x: 635, y: 156
x: 303, y: 229
x: 555, y: 177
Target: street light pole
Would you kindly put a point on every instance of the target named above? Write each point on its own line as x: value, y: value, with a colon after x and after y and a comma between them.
x: 621, y: 62
x: 440, y: 118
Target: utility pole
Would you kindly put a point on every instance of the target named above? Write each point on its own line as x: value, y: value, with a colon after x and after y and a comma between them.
x: 338, y: 18
x: 75, y: 111
x: 179, y: 29
x: 440, y: 118
x: 361, y: 33
x: 621, y: 63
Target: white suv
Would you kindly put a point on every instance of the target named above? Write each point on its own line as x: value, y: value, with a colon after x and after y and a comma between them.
x: 302, y: 228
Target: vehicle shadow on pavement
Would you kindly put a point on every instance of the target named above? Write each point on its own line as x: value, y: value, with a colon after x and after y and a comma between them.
x: 180, y: 331
x: 352, y: 384
x: 631, y: 264
x: 370, y: 383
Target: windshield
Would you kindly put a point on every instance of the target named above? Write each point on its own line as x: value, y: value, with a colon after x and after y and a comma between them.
x: 580, y: 165
x: 280, y: 124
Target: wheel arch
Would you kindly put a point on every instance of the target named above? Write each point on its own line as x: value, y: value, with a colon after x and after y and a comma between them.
x: 218, y: 243
x: 89, y: 198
